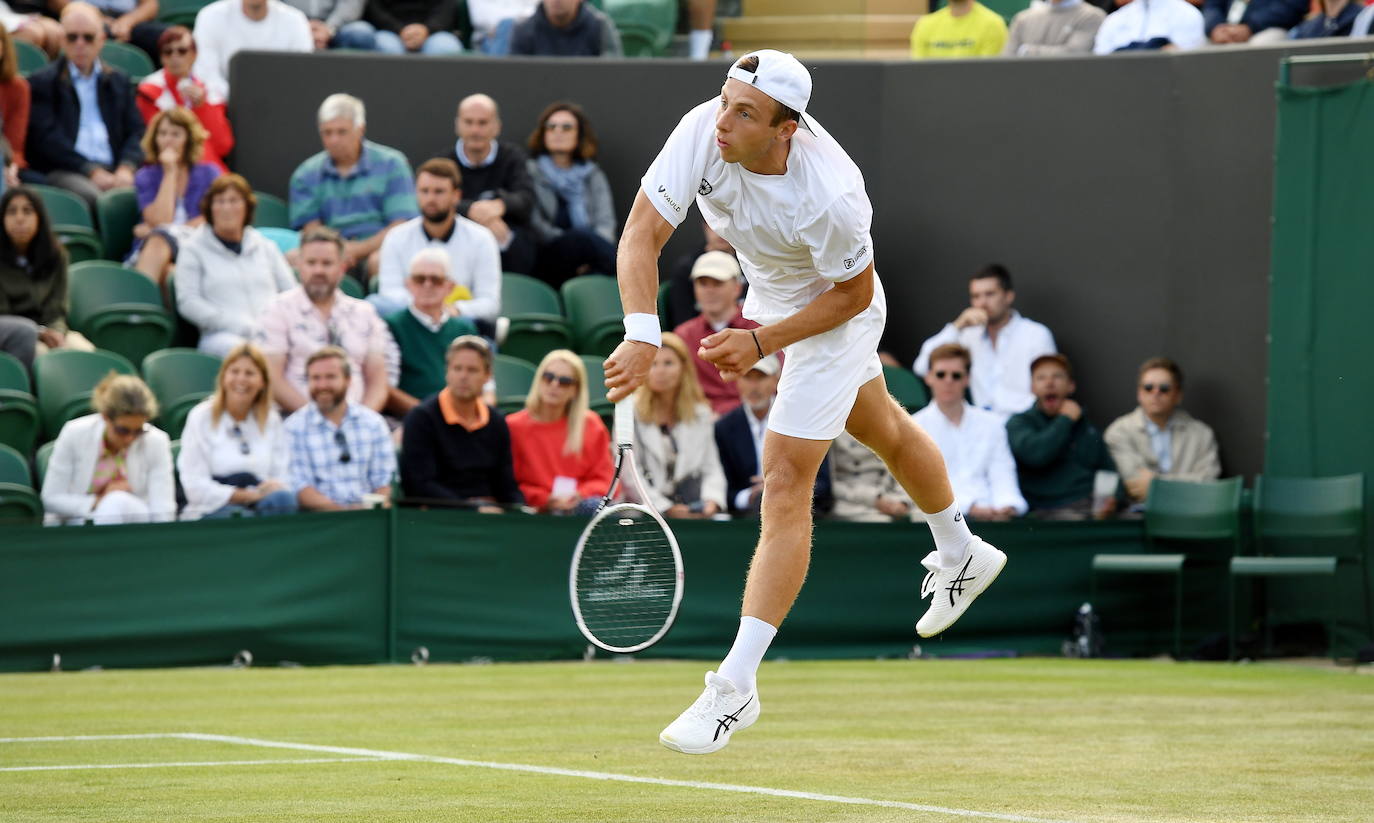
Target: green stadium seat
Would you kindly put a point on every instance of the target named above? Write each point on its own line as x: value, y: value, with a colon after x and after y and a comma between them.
x: 351, y: 287
x: 596, y: 389
x: 646, y: 26
x: 904, y: 385
x: 592, y: 302
x: 82, y: 245
x: 180, y: 12
x: 118, y: 309
x: 117, y: 213
x: 1171, y: 564
x: 513, y: 380
x: 131, y: 60
x: 186, y: 335
x: 65, y: 208
x: 40, y: 460
x: 19, y: 421
x: 179, y: 378
x: 537, y: 325
x: 286, y: 239
x: 31, y: 58
x: 19, y: 502
x: 64, y: 379
x: 272, y: 211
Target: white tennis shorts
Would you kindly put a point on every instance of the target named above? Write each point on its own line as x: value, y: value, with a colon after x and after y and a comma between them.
x: 821, y: 376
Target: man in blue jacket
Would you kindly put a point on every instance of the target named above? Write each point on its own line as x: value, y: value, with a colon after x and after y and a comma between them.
x: 1256, y: 22
x: 566, y: 28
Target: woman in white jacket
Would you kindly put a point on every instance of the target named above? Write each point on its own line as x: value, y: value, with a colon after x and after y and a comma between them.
x: 112, y: 466
x: 227, y: 272
x: 675, y: 435
x: 234, y: 455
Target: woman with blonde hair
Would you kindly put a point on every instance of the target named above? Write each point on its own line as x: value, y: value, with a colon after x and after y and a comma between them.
x: 111, y: 466
x: 234, y: 455
x: 561, y: 449
x: 675, y: 437
x: 169, y: 187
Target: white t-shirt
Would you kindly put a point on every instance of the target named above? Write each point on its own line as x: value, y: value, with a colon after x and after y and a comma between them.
x: 795, y: 233
x: 222, y: 29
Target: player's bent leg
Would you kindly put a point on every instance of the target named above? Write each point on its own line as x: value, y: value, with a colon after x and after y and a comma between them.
x: 962, y: 565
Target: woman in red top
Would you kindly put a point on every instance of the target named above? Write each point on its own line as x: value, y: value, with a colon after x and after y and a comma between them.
x: 561, y: 469
x: 173, y: 86
x: 14, y: 102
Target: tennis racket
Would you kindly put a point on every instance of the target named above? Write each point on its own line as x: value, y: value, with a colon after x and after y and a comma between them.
x: 625, y: 583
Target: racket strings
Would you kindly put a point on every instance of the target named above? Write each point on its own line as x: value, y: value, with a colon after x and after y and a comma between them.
x: 627, y: 579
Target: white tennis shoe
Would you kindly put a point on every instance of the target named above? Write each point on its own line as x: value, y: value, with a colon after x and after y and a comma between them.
x: 955, y: 589
x: 708, y: 724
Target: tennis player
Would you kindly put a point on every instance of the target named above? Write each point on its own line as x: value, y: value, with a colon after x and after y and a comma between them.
x: 769, y: 179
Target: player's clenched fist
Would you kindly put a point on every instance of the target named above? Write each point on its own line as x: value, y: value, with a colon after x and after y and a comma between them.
x: 732, y: 351
x: 627, y: 367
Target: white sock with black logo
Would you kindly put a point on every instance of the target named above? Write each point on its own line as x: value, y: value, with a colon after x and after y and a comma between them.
x: 952, y: 536
x: 742, y: 663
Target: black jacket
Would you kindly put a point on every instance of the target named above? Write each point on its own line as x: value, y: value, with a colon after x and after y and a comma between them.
x: 394, y: 15
x: 735, y: 442
x: 1259, y: 14
x: 55, y: 117
x: 507, y: 178
x: 448, y: 462
x: 591, y: 34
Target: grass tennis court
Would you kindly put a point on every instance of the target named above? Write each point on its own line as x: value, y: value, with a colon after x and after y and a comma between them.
x: 1055, y: 740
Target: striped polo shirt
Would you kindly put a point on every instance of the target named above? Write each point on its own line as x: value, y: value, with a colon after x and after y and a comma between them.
x: 379, y: 190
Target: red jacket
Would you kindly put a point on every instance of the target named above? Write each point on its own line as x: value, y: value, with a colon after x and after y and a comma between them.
x: 722, y: 396
x: 155, y: 95
x: 537, y: 451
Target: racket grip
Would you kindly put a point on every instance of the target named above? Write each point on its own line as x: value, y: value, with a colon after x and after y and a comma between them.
x: 625, y: 422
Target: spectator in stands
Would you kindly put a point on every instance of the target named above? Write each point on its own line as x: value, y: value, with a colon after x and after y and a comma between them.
x: 561, y: 449
x: 1335, y: 19
x: 717, y: 281
x: 682, y: 300
x: 566, y: 28
x: 1364, y: 23
x: 14, y: 102
x: 112, y: 466
x: 33, y: 280
x: 170, y: 186
x: 356, y: 187
x: 474, y: 259
x: 424, y: 329
x: 1160, y: 438
x: 299, y: 322
x: 574, y: 218
x: 739, y: 440
x: 337, y: 24
x: 414, y: 26
x: 225, y: 27
x: 23, y: 21
x: 493, y: 22
x: 701, y: 22
x: 84, y: 127
x: 234, y: 456
x: 973, y: 441
x: 675, y: 437
x: 865, y: 491
x: 1003, y: 343
x: 964, y: 28
x: 228, y: 274
x: 127, y: 21
x: 341, y: 452
x: 1058, y: 27
x: 497, y: 190
x: 1058, y: 452
x: 1257, y: 22
x: 455, y: 446
x: 1171, y: 25
x: 174, y: 85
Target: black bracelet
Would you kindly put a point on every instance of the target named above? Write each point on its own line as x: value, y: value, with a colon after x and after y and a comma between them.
x: 755, y: 335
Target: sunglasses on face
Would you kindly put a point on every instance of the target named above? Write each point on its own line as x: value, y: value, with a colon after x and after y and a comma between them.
x: 74, y: 36
x: 559, y: 126
x: 550, y: 377
x: 342, y: 443
x: 1150, y: 388
x: 952, y: 375
x: 125, y: 431
x: 244, y: 449
x: 427, y: 280
x: 179, y: 51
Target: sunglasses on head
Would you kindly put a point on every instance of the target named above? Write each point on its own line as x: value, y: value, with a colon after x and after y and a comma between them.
x: 427, y: 279
x: 342, y: 443
x: 73, y: 36
x: 550, y: 377
x: 179, y: 51
x: 1162, y: 388
x: 952, y: 375
x: 559, y: 126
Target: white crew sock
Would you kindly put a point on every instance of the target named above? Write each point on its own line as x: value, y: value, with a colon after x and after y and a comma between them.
x: 699, y: 43
x: 952, y: 536
x: 742, y: 663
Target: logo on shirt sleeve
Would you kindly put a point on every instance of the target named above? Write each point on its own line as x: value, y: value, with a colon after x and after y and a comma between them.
x: 705, y: 187
x: 849, y: 262
x: 664, y: 191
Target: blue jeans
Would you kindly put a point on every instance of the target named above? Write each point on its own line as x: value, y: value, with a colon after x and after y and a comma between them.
x: 497, y: 42
x: 358, y: 35
x: 278, y: 502
x: 438, y: 43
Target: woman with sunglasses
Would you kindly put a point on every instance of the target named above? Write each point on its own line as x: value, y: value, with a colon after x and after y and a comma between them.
x: 173, y: 86
x: 169, y: 188
x: 234, y: 453
x: 561, y: 449
x: 112, y: 466
x: 574, y: 218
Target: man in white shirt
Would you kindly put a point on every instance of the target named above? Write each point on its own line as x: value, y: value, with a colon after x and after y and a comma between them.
x: 771, y: 181
x: 475, y: 259
x: 1002, y: 342
x: 973, y: 441
x: 1168, y: 25
x: 226, y: 26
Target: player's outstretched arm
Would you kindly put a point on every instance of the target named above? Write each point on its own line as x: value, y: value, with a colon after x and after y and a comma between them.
x: 645, y: 234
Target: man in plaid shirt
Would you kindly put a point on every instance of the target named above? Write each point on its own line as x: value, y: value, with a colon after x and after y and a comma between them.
x: 340, y: 451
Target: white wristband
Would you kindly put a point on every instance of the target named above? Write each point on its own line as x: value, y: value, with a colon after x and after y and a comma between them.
x: 643, y: 328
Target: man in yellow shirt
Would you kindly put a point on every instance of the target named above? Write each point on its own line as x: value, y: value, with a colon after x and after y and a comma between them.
x: 963, y: 28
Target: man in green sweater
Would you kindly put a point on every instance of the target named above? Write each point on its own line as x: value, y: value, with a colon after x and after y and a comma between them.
x: 424, y: 329
x: 1058, y: 452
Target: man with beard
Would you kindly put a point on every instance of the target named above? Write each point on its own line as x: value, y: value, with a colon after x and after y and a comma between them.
x: 474, y: 258
x: 455, y: 446
x: 315, y: 314
x: 340, y: 451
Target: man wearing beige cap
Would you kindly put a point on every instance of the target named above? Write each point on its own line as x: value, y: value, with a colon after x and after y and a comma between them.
x: 774, y: 183
x: 716, y: 282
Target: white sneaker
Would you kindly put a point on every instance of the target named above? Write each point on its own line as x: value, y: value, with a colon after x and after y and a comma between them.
x: 708, y: 723
x: 955, y: 589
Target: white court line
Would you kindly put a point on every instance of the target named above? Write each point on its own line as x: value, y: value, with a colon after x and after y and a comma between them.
x: 376, y: 755
x: 186, y: 765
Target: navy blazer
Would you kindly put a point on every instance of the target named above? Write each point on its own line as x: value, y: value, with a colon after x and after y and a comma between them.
x: 1259, y: 14
x: 735, y: 442
x: 55, y: 117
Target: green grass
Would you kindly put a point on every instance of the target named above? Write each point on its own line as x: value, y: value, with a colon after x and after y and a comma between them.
x: 1065, y: 740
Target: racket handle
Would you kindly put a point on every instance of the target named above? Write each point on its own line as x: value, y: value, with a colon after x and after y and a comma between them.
x: 625, y: 422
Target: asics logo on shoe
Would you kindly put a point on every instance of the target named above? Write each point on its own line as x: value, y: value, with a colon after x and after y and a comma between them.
x: 723, y: 724
x: 956, y: 586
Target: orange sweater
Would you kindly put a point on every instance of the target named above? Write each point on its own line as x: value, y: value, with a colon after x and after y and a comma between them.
x: 537, y: 450
x: 14, y: 108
